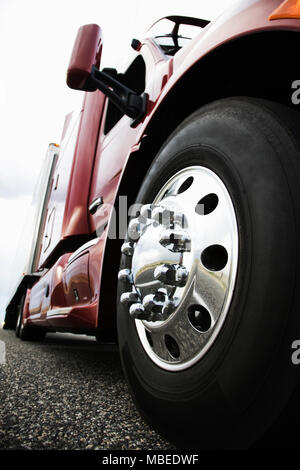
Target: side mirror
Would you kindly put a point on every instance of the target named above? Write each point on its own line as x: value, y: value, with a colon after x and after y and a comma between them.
x: 86, y: 54
x: 83, y: 74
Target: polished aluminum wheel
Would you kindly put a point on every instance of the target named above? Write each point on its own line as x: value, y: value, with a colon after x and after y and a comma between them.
x: 184, y: 253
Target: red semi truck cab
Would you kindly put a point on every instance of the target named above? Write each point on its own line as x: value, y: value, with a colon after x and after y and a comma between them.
x: 189, y: 131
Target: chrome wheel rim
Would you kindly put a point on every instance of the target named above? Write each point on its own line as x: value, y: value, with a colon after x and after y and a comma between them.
x: 183, y: 269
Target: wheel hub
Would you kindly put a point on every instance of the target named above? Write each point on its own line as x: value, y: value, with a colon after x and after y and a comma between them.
x: 159, y: 242
x: 183, y: 251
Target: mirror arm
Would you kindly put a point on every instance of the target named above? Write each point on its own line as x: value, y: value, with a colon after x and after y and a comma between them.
x: 129, y: 102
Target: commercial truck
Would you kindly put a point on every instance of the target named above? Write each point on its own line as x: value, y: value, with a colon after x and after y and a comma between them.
x: 168, y: 221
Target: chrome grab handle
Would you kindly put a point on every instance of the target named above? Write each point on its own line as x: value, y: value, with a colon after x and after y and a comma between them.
x: 95, y: 205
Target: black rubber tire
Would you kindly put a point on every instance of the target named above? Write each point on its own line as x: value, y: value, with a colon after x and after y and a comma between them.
x: 28, y: 332
x: 244, y: 382
x: 32, y: 333
x: 20, y: 316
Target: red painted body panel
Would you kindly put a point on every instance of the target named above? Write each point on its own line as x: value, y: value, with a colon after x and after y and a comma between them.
x: 76, y: 212
x: 68, y: 202
x: 99, y: 164
x: 96, y: 254
x: 37, y: 296
x: 26, y: 313
x: 82, y: 274
x: 82, y: 318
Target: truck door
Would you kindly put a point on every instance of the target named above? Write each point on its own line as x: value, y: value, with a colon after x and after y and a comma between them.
x: 117, y: 137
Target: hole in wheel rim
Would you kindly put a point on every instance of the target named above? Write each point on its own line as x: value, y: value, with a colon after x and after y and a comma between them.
x: 214, y: 257
x: 200, y: 318
x: 172, y: 346
x: 186, y: 185
x: 207, y: 204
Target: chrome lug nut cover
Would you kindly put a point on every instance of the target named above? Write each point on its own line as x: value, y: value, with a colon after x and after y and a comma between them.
x: 176, y: 240
x: 146, y: 211
x: 129, y: 297
x: 161, y: 294
x: 169, y: 307
x: 151, y: 302
x: 125, y: 275
x: 162, y: 272
x: 163, y: 216
x: 180, y: 221
x: 137, y: 311
x: 181, y: 276
x: 135, y: 229
x: 127, y: 248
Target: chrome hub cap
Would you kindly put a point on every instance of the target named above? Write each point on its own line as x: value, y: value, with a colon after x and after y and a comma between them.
x: 184, y: 253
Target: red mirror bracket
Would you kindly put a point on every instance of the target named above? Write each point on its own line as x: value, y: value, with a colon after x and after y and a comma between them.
x: 127, y: 100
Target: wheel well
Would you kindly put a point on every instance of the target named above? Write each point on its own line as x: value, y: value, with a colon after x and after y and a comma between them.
x: 260, y: 65
x: 12, y: 311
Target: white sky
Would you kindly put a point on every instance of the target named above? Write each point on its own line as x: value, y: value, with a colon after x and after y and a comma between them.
x: 36, y: 39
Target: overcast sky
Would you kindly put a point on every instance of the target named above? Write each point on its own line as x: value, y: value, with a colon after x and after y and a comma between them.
x: 36, y: 39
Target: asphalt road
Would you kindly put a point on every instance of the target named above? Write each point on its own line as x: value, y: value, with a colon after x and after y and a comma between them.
x: 68, y: 394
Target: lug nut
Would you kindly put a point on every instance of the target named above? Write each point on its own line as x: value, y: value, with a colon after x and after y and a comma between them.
x: 171, y: 274
x: 148, y: 302
x: 135, y: 229
x: 161, y: 273
x: 163, y: 216
x: 127, y: 248
x: 169, y: 307
x: 125, y: 275
x: 146, y: 210
x: 161, y: 294
x: 153, y: 302
x: 137, y: 311
x: 177, y: 241
x: 180, y: 221
x: 129, y: 298
x: 181, y: 275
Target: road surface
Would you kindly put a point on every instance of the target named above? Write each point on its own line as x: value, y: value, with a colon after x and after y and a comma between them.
x: 68, y: 393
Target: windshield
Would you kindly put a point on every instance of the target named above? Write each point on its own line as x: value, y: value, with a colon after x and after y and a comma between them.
x: 174, y: 32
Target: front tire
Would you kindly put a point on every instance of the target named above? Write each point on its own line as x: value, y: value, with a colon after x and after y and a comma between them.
x: 32, y: 333
x: 236, y: 387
